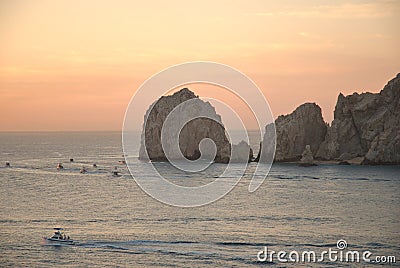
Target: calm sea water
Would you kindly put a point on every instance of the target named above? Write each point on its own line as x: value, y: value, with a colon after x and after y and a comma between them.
x: 116, y: 224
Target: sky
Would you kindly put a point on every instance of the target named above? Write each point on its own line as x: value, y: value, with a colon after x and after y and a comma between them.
x: 74, y: 65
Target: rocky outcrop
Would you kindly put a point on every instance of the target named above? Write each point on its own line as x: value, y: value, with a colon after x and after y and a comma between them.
x: 366, y: 125
x: 190, y: 135
x: 366, y: 129
x: 305, y: 126
x: 307, y: 158
x: 241, y: 153
x: 266, y: 154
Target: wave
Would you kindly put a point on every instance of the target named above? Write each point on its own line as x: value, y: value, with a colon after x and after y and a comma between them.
x: 187, y: 249
x: 305, y: 177
x: 294, y: 177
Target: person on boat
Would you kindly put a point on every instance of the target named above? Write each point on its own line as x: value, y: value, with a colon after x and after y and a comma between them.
x: 115, y: 171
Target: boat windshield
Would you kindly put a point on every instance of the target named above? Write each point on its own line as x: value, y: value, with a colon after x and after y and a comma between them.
x: 59, y: 234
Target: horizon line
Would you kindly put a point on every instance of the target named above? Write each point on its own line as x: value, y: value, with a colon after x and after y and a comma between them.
x: 58, y: 131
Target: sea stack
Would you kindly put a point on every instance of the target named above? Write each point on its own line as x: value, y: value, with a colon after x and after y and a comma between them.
x: 241, y: 153
x: 191, y: 134
x: 307, y: 159
x: 304, y: 126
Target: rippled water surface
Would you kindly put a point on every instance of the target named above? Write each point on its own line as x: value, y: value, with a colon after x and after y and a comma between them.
x: 116, y: 224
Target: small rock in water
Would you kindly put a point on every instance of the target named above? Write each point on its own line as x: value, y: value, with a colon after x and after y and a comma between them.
x: 307, y: 159
x: 241, y: 153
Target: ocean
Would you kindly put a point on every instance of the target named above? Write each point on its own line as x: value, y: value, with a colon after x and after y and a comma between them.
x: 115, y: 223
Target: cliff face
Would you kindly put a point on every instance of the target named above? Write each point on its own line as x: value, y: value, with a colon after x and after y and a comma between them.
x: 305, y: 126
x: 192, y: 133
x: 366, y: 125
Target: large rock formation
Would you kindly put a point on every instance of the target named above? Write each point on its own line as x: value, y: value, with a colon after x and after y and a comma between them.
x: 366, y: 125
x: 191, y: 134
x: 304, y: 126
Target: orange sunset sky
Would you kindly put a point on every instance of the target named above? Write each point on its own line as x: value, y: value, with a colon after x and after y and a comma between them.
x: 74, y: 65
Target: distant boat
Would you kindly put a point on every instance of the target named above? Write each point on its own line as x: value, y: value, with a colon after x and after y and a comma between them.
x: 59, y: 238
x: 115, y: 172
x: 83, y: 170
x: 60, y: 166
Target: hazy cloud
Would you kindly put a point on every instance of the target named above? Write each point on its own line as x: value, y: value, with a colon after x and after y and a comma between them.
x: 376, y: 9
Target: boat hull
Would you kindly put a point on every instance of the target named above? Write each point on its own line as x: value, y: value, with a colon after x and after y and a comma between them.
x: 56, y: 241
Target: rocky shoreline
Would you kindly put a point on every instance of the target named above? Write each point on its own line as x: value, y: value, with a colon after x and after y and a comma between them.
x: 365, y: 130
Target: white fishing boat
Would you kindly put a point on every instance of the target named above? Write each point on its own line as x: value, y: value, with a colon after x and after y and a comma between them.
x: 59, y: 238
x: 115, y: 172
